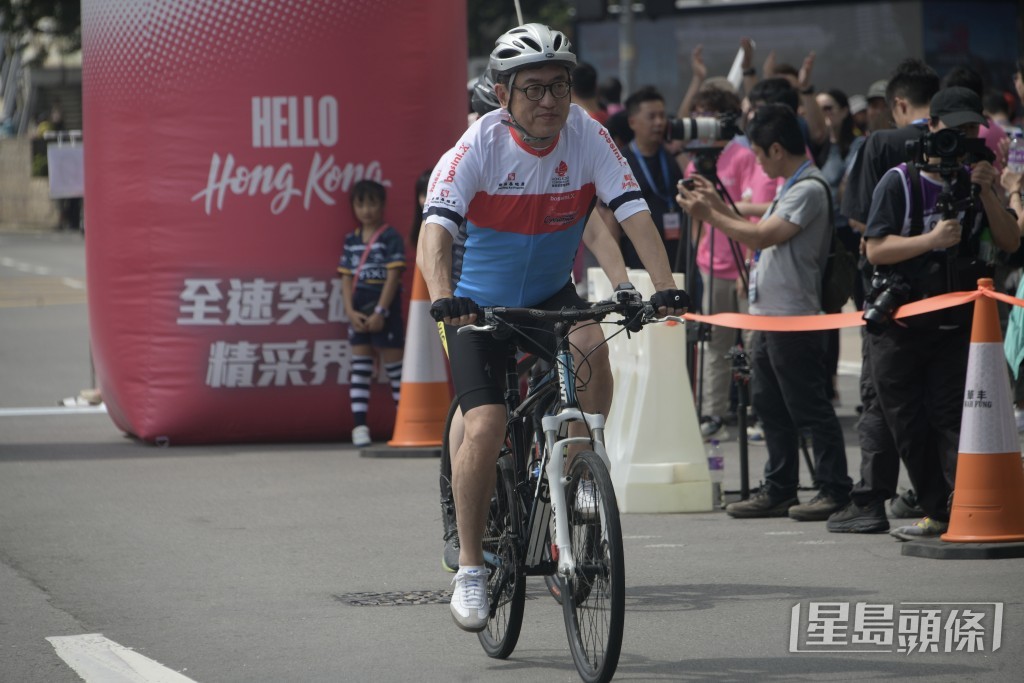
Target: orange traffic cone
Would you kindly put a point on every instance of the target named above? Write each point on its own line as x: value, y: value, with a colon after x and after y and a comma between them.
x: 988, y: 499
x: 424, y: 398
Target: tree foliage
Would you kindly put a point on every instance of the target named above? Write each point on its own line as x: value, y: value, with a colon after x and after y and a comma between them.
x: 25, y: 19
x: 489, y: 19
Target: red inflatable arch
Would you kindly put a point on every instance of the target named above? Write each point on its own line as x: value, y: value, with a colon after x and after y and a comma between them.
x: 222, y: 140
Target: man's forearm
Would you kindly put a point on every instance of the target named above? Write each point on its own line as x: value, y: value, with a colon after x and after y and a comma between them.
x: 605, y: 249
x: 645, y: 238
x: 1005, y: 232
x: 736, y: 228
x: 434, y: 260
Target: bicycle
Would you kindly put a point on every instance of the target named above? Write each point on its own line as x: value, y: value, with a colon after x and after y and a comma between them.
x: 526, y: 533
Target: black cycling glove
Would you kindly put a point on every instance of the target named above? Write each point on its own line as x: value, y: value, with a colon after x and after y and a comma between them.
x: 455, y: 307
x: 671, y: 298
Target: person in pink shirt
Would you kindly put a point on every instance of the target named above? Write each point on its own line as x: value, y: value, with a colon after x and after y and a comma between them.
x: 720, y: 260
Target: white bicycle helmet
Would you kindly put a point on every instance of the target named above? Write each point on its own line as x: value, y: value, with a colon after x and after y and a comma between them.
x: 528, y: 45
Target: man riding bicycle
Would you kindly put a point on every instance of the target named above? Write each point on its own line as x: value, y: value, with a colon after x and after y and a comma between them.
x: 503, y: 220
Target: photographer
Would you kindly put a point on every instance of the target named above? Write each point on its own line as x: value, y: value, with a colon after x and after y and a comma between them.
x: 789, y: 378
x: 720, y: 260
x: 939, y: 241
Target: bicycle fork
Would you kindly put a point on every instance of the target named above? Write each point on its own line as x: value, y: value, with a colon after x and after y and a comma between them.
x: 555, y: 454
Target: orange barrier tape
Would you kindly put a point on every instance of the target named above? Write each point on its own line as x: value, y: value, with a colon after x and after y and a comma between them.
x: 835, y: 321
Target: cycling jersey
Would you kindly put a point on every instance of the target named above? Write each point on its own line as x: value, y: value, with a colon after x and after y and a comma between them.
x: 516, y: 213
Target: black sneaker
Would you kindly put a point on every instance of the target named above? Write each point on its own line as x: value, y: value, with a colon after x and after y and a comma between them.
x: 761, y: 505
x: 450, y: 558
x: 818, y: 510
x: 854, y: 519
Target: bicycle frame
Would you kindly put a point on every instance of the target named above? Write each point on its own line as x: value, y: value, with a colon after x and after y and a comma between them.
x: 553, y: 458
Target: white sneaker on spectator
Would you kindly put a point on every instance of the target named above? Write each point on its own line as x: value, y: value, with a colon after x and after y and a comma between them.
x: 361, y: 436
x: 710, y: 425
x: 469, y: 599
x: 755, y: 434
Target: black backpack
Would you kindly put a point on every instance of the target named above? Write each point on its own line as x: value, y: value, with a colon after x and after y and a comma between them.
x: 837, y: 280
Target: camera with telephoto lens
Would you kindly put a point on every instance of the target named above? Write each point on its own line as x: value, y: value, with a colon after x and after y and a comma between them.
x: 888, y: 292
x: 706, y: 128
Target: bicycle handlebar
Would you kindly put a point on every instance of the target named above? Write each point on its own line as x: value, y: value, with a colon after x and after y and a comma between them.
x: 493, y: 316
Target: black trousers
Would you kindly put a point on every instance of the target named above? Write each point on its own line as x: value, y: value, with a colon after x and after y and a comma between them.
x: 879, y: 459
x: 919, y: 375
x: 789, y: 392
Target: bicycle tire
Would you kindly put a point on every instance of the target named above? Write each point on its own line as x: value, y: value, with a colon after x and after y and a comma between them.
x: 446, y: 456
x: 506, y: 585
x: 594, y: 600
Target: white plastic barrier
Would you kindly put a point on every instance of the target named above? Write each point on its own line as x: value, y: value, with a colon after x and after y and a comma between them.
x: 653, y: 438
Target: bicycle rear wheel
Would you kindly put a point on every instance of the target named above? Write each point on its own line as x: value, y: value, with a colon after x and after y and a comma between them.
x: 594, y: 600
x: 506, y: 585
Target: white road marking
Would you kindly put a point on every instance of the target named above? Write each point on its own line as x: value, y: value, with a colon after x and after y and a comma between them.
x: 99, y: 660
x: 783, y: 533
x: 39, y: 270
x: 45, y: 412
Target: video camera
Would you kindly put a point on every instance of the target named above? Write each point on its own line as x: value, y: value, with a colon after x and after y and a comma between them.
x: 705, y: 128
x: 953, y: 149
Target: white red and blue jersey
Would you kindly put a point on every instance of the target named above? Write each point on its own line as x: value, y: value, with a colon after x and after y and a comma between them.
x: 516, y: 213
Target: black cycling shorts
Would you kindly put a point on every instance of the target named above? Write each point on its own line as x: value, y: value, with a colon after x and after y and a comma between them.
x: 478, y: 360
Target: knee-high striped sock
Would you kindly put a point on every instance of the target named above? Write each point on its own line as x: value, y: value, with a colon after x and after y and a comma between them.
x: 394, y: 371
x: 359, y: 387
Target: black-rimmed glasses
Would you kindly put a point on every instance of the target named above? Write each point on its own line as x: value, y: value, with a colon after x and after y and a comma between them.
x: 535, y: 92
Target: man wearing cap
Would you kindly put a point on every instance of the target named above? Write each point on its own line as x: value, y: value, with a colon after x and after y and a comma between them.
x: 878, y: 115
x: 918, y: 364
x: 908, y: 93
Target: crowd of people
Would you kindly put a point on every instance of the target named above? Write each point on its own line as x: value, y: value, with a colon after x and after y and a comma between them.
x: 760, y: 238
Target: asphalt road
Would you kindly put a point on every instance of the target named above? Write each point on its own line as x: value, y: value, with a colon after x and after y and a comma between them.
x: 252, y: 562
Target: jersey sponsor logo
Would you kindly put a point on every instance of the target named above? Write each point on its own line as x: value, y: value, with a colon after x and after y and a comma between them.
x: 561, y: 178
x: 560, y: 219
x: 629, y: 183
x: 612, y: 146
x: 510, y: 183
x: 461, y: 152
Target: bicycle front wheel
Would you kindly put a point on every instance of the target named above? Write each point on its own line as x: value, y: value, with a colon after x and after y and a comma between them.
x: 594, y: 600
x: 506, y: 585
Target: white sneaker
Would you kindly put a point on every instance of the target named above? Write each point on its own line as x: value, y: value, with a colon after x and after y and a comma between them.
x: 361, y: 436
x: 755, y: 434
x: 469, y: 599
x: 586, y: 500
